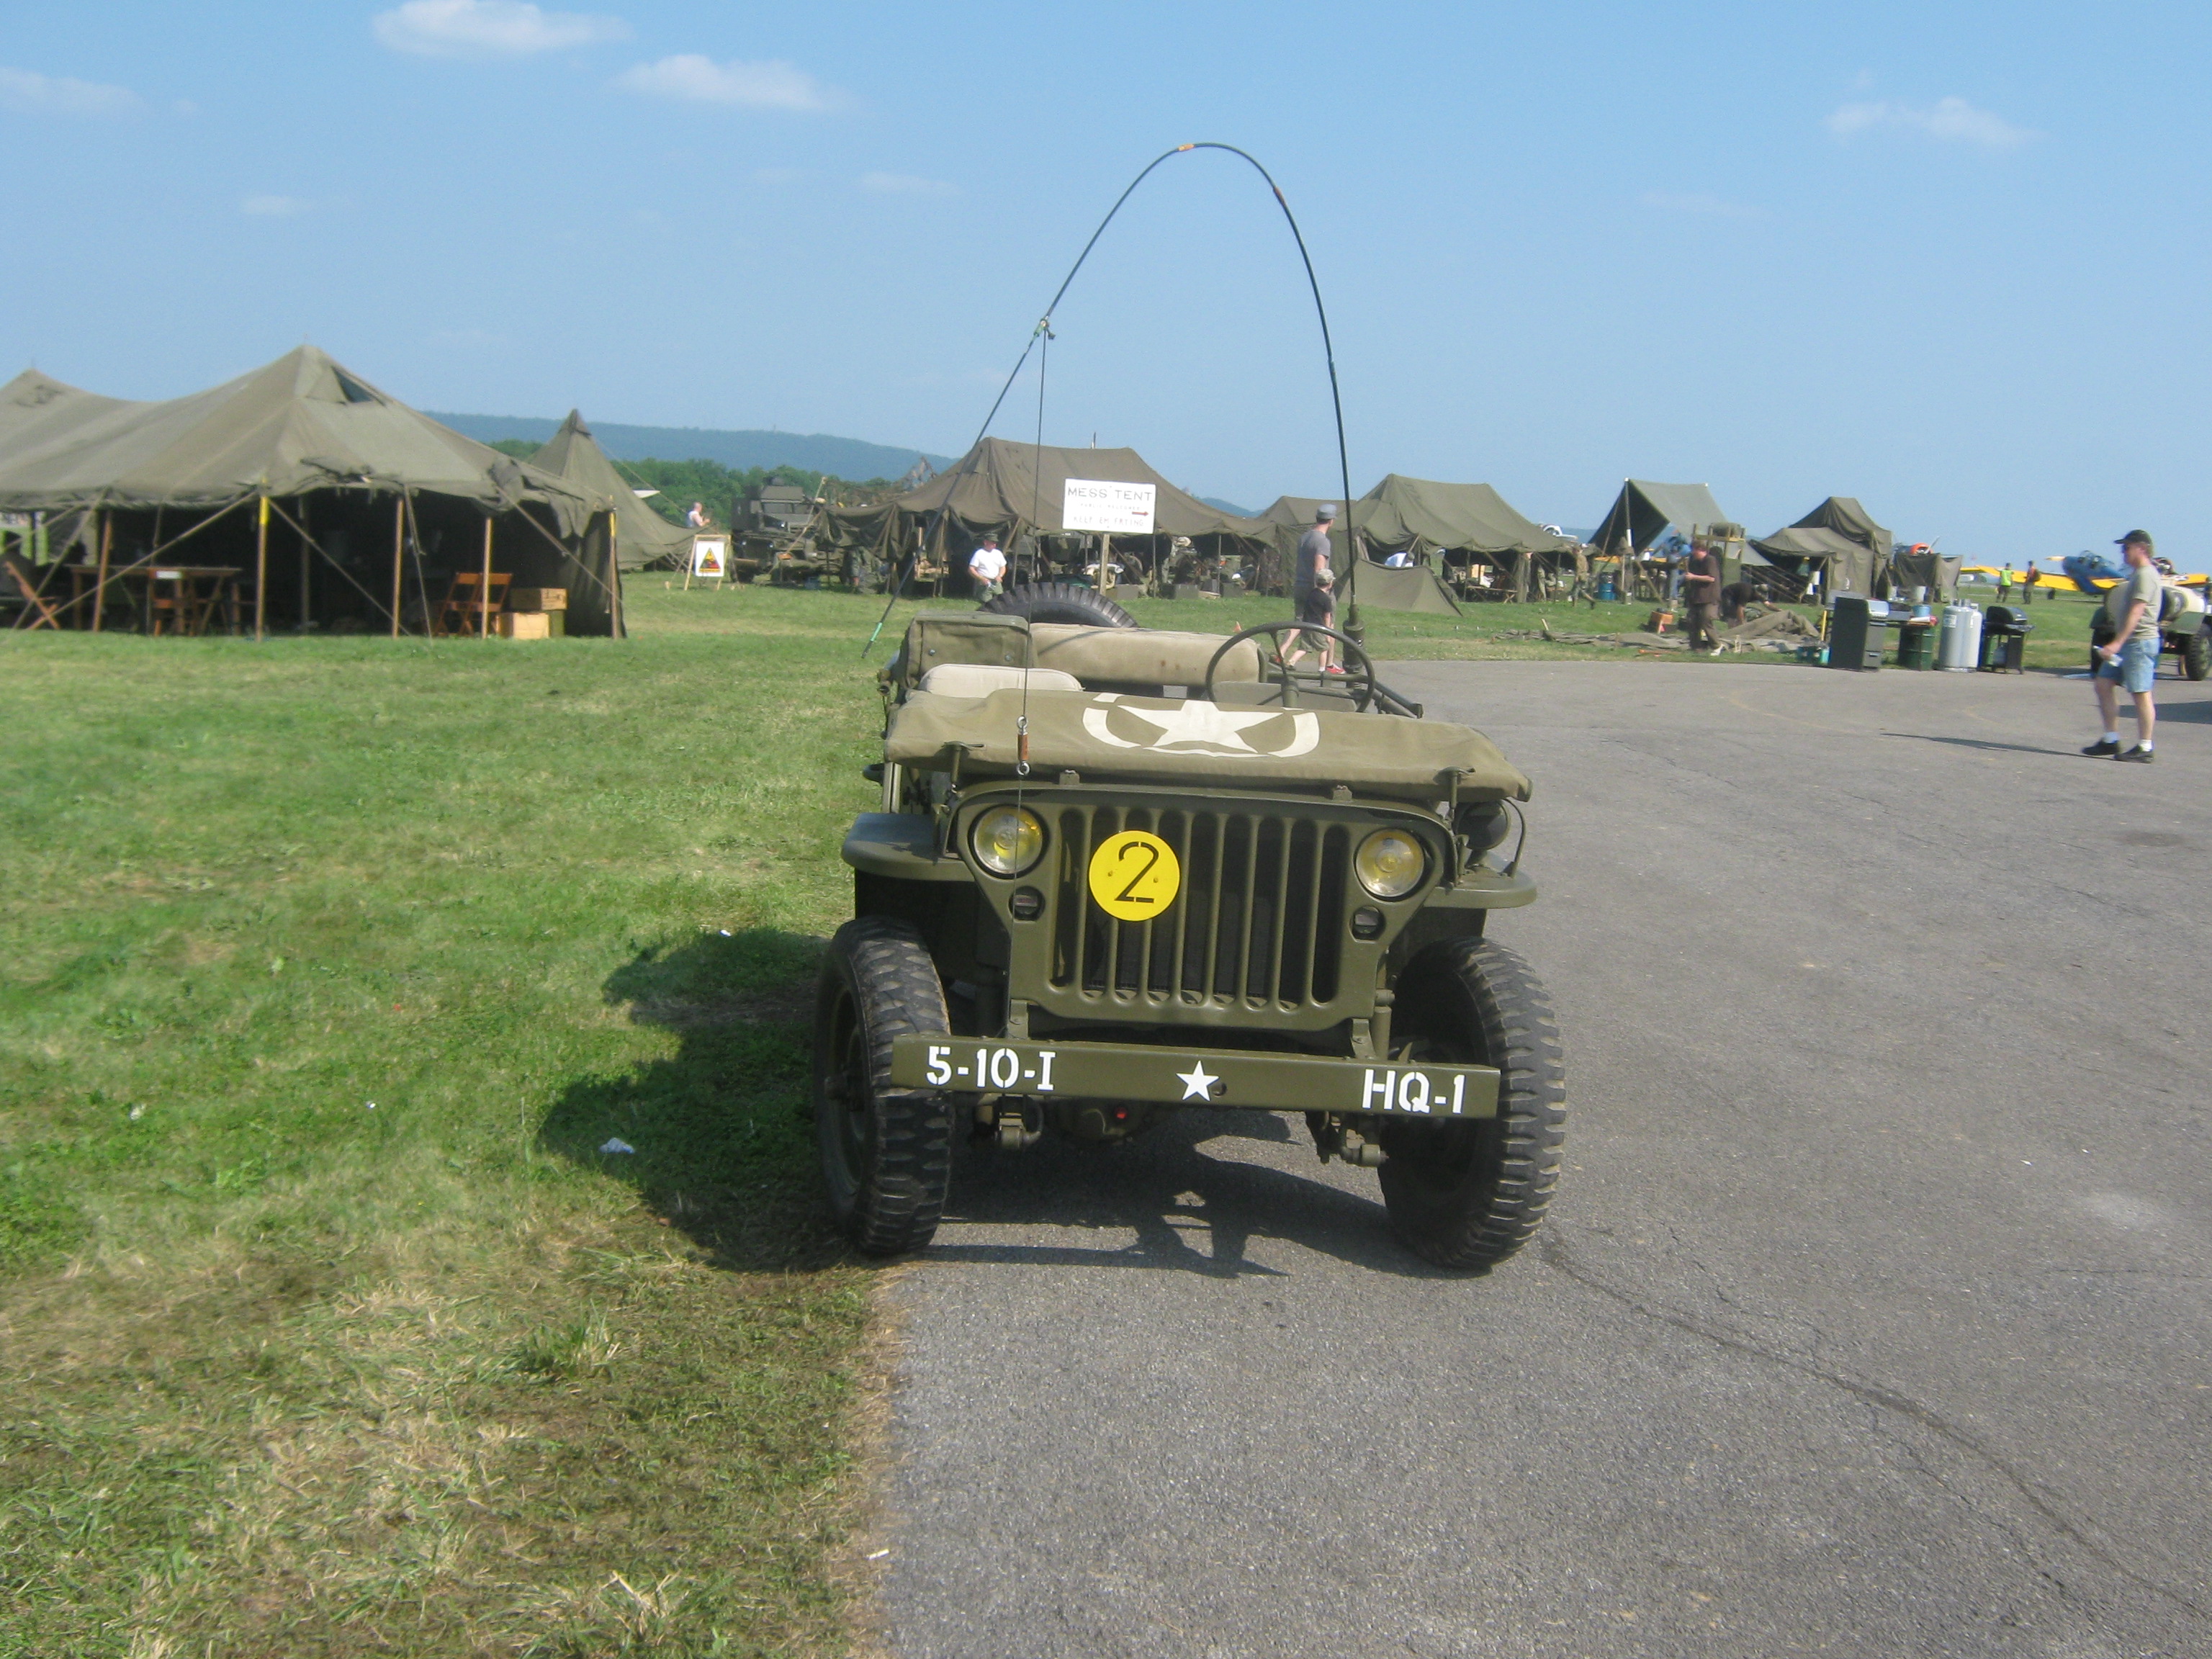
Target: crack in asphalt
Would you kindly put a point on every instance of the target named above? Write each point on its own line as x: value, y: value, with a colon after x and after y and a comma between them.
x: 1555, y: 1252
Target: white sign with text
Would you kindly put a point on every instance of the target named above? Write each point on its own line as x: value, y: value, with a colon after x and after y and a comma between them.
x: 1118, y: 509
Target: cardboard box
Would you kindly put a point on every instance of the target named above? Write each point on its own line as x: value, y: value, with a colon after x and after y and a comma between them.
x: 537, y: 598
x: 525, y: 625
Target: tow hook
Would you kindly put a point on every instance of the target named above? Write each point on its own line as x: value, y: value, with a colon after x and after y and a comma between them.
x: 1333, y: 1137
x: 1014, y: 1124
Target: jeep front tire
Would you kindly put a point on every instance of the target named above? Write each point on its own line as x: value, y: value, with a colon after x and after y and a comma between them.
x: 1468, y: 1194
x: 886, y: 1151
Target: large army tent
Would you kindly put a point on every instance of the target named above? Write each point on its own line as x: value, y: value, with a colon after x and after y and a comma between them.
x: 1459, y: 523
x: 643, y: 538
x: 354, y: 478
x: 1838, y: 537
x: 1016, y: 490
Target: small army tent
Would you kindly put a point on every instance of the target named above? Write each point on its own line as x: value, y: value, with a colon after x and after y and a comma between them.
x: 1639, y: 517
x: 643, y: 538
x: 1017, y: 492
x: 358, y: 511
x: 1837, y: 539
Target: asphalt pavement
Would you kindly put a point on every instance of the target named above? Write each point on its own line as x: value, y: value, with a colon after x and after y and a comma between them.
x: 1872, y: 1317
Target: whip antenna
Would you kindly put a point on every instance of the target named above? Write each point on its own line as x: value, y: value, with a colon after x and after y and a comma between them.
x: 1042, y: 331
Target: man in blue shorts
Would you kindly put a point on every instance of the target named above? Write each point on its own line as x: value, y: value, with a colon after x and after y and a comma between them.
x: 1313, y: 559
x: 2130, y: 658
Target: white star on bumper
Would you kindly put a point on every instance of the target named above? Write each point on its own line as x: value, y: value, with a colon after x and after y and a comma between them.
x: 1196, y: 1085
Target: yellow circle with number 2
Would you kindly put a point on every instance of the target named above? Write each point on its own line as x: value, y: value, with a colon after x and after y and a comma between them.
x: 1134, y: 876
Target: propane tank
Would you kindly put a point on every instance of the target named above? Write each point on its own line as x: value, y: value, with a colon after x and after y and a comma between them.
x: 1959, y: 647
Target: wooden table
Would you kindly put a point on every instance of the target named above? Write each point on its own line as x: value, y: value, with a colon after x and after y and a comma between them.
x: 181, y: 598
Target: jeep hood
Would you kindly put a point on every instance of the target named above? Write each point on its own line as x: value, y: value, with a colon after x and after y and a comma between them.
x: 1105, y: 735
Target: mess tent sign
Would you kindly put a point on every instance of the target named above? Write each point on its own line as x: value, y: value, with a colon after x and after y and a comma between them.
x: 1110, y: 507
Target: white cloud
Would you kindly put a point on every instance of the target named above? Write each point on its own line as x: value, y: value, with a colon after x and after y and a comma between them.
x: 489, y: 28
x: 1951, y: 119
x: 772, y: 84
x: 1711, y: 207
x: 274, y: 207
x: 56, y: 94
x: 904, y: 184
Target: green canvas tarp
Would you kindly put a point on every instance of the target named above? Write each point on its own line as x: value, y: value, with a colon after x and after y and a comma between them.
x: 642, y: 537
x: 1838, y: 537
x: 296, y: 425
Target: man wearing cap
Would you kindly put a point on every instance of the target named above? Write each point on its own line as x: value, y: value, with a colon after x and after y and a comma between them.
x: 1312, y: 559
x: 2129, y: 657
x: 987, y: 566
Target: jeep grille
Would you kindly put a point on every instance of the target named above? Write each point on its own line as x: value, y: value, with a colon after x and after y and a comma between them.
x: 1258, y: 922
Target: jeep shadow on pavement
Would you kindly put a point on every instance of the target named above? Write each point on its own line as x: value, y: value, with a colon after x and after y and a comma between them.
x: 1119, y: 871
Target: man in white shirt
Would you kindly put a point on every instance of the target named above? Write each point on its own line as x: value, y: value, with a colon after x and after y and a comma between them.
x: 988, y: 566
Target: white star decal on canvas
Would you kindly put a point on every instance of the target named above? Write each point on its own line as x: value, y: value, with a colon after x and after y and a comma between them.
x: 1198, y: 723
x: 1196, y: 1084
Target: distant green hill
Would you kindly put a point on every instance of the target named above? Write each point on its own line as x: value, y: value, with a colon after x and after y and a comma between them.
x: 810, y: 452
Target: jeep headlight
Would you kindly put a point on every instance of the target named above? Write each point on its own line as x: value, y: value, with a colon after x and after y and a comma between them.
x: 1390, y: 863
x: 1006, y: 839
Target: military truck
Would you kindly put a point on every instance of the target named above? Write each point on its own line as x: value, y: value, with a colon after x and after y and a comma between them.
x: 1117, y: 872
x: 774, y: 527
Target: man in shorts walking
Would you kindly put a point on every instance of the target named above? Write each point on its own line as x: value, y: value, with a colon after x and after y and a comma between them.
x: 1313, y: 559
x: 2129, y: 659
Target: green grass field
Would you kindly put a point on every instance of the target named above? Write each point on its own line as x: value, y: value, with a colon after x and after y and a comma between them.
x: 328, y: 967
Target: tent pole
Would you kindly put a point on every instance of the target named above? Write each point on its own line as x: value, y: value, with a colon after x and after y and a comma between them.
x: 398, y: 553
x: 614, y: 577
x: 484, y: 594
x: 261, y: 572
x: 305, y: 615
x: 106, y: 542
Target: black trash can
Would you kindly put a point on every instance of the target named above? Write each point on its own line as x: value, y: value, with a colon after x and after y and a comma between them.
x: 1858, y: 633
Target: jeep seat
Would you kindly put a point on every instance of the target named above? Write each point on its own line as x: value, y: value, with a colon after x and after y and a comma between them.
x: 975, y: 679
x: 1139, y: 658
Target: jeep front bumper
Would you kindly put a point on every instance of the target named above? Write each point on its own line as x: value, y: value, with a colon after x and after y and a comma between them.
x: 1208, y: 1077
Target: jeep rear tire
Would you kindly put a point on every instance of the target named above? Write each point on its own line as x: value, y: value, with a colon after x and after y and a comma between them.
x: 886, y: 1151
x: 1060, y: 602
x: 1468, y: 1194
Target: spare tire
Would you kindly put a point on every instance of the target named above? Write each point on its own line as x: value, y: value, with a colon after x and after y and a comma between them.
x: 1060, y: 602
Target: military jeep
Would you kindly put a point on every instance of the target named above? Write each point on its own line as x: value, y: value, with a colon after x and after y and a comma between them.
x: 1117, y: 872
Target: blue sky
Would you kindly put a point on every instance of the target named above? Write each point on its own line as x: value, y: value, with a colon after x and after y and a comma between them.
x: 1950, y: 259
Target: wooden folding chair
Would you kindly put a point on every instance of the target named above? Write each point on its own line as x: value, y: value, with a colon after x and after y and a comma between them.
x: 35, y: 612
x: 470, y: 605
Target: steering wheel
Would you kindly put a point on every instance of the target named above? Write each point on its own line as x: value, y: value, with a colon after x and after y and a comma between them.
x: 1358, y: 680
